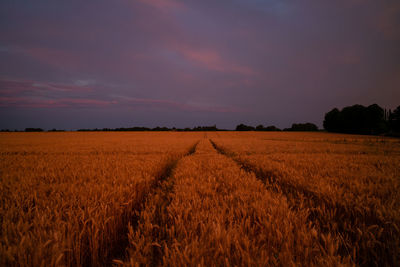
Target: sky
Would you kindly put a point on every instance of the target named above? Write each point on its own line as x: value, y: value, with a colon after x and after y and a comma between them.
x: 122, y: 63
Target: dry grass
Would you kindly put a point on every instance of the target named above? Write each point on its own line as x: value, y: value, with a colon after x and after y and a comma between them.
x: 266, y: 199
x: 211, y: 213
x: 350, y: 183
x: 67, y: 198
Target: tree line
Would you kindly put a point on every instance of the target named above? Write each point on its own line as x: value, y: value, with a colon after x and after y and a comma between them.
x: 358, y: 119
x: 140, y: 129
x: 125, y: 129
x: 240, y: 127
x: 309, y: 127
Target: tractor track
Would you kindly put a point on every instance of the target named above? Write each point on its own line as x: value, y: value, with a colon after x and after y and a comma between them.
x: 341, y: 214
x: 132, y: 214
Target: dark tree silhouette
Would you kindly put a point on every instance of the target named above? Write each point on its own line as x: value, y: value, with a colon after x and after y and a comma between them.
x: 206, y: 128
x: 33, y: 130
x: 356, y: 119
x: 375, y: 120
x: 271, y: 128
x: 303, y: 127
x: 242, y: 127
x: 332, y: 121
x: 268, y: 128
x: 260, y: 127
x: 394, y: 120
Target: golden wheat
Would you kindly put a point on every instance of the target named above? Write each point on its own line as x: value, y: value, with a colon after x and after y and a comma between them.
x: 66, y: 198
x: 219, y: 215
x: 255, y: 199
x: 351, y: 183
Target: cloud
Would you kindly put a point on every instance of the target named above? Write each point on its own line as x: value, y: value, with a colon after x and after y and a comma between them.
x: 84, y: 82
x: 20, y: 87
x: 389, y: 21
x: 35, y: 94
x: 34, y: 102
x: 4, y: 49
x: 212, y: 60
x: 200, y: 56
x: 163, y: 4
x: 38, y: 94
x: 135, y: 103
x: 59, y: 58
x: 168, y: 104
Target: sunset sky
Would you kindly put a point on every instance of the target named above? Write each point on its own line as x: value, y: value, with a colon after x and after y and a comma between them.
x: 87, y: 64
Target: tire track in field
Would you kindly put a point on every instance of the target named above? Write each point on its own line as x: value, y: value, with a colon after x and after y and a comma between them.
x: 204, y: 210
x: 118, y: 250
x: 273, y: 178
x: 341, y: 215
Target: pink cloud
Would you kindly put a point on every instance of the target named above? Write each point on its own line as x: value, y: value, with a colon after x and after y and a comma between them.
x: 168, y: 104
x: 54, y: 57
x: 162, y: 4
x: 26, y: 93
x: 34, y: 94
x: 30, y: 102
x: 18, y: 87
x: 212, y: 60
x: 388, y: 22
x: 349, y: 56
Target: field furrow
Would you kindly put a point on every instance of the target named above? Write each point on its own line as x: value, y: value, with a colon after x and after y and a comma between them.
x: 157, y: 187
x: 365, y: 225
x: 230, y: 199
x: 212, y: 213
x: 71, y: 205
x: 157, y: 198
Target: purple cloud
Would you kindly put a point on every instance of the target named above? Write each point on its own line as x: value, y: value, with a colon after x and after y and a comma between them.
x: 180, y: 62
x: 34, y: 94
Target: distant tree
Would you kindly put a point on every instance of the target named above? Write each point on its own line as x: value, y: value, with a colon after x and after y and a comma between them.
x: 375, y: 120
x: 243, y: 127
x: 332, y: 121
x: 271, y: 128
x: 33, y: 130
x: 303, y: 127
x: 162, y: 129
x: 356, y: 119
x: 205, y: 128
x: 394, y: 120
x: 268, y: 128
x: 260, y: 127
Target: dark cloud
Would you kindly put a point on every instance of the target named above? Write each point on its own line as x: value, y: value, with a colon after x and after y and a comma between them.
x: 185, y: 63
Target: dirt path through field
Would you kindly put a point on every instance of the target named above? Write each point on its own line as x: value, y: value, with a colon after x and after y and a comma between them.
x: 330, y: 217
x: 212, y: 213
x: 159, y: 188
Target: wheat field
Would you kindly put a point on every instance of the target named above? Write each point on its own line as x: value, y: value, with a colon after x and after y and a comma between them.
x: 199, y: 199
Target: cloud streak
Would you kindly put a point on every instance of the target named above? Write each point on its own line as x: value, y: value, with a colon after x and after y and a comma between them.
x: 212, y: 60
x: 18, y: 87
x: 163, y: 4
x: 34, y: 102
x: 168, y: 104
x: 202, y: 62
x: 34, y: 94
